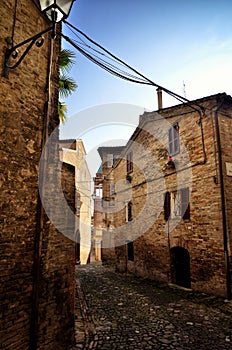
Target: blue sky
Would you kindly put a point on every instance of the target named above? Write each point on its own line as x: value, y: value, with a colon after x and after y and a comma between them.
x: 170, y: 42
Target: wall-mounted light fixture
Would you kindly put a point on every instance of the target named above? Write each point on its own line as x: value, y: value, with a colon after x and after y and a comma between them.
x: 56, y: 11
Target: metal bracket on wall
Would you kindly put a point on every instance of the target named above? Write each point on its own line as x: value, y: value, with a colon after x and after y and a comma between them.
x: 37, y: 40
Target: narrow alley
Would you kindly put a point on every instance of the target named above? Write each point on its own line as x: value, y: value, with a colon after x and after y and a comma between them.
x: 119, y: 311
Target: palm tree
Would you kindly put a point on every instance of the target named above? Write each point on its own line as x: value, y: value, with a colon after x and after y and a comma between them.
x: 62, y: 109
x: 67, y: 84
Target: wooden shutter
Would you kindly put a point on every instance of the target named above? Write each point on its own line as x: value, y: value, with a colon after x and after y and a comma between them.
x: 173, y: 140
x: 167, y: 205
x: 185, y: 207
x: 130, y: 218
x: 170, y: 141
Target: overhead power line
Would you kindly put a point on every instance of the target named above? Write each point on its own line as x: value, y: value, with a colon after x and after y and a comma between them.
x: 139, y: 78
x: 106, y: 65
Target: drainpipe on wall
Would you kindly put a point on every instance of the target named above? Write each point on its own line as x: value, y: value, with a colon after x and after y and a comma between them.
x: 223, y: 203
x: 34, y: 327
x: 169, y: 250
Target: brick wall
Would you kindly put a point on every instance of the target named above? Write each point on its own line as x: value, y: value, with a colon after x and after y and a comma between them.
x: 77, y: 158
x: 25, y: 105
x: 225, y: 127
x: 201, y: 236
x: 104, y: 218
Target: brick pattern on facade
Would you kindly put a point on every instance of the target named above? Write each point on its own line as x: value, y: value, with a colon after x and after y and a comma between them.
x: 29, y: 108
x: 73, y: 152
x: 159, y: 243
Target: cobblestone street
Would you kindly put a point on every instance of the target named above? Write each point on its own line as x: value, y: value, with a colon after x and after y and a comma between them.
x: 119, y: 311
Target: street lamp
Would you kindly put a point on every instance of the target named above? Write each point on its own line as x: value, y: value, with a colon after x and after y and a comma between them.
x: 56, y: 11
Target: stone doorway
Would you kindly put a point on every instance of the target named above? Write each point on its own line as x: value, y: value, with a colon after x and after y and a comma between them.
x: 180, y: 267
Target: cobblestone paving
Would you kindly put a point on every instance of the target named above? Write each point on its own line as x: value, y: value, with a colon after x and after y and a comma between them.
x: 119, y: 311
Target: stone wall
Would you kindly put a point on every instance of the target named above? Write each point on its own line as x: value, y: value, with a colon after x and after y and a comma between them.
x: 104, y: 213
x: 36, y: 261
x: 200, y: 236
x: 225, y: 125
x: 76, y: 156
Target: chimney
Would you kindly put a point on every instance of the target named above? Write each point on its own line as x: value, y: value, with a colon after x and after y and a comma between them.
x: 159, y: 95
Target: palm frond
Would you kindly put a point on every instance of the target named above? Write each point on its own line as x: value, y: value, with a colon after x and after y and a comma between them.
x: 67, y: 60
x: 62, y: 109
x: 67, y: 86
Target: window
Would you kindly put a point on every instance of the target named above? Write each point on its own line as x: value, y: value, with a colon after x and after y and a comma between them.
x: 185, y: 207
x: 167, y: 205
x: 112, y: 190
x: 109, y: 160
x: 173, y: 140
x: 129, y: 162
x: 129, y: 212
x: 130, y: 251
x: 176, y: 204
x: 115, y: 157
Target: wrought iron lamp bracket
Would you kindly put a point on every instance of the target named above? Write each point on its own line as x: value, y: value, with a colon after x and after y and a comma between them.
x: 37, y: 40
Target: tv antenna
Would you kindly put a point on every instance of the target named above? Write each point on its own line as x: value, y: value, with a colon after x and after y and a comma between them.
x: 184, y: 89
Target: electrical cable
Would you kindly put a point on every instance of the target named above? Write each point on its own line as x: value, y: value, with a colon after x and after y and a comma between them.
x: 82, y: 42
x: 113, y: 66
x: 122, y: 74
x: 149, y: 82
x: 74, y: 33
x: 104, y: 66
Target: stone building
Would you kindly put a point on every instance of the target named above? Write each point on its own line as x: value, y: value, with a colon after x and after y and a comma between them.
x: 103, y: 187
x: 97, y: 216
x: 172, y: 196
x: 73, y: 154
x: 37, y: 262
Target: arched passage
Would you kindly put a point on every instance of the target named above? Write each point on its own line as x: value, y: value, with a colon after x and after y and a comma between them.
x: 180, y: 267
